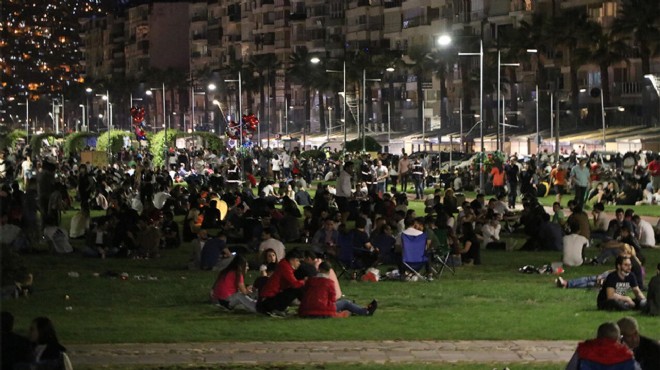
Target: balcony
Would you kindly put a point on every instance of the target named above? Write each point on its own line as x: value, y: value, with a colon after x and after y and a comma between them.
x: 199, y: 18
x: 415, y: 22
x: 199, y: 36
x: 628, y: 89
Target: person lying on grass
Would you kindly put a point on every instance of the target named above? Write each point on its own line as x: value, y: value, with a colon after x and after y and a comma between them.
x: 229, y: 290
x: 319, y: 298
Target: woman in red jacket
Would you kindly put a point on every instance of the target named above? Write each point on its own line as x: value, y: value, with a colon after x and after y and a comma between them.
x: 319, y: 299
x: 282, y: 287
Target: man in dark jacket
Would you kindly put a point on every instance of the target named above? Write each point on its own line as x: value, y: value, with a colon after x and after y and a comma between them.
x: 646, y: 350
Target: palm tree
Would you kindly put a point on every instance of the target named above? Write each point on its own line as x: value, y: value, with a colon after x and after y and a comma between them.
x: 301, y: 71
x: 605, y: 49
x: 264, y: 65
x: 573, y: 32
x: 419, y: 64
x: 639, y: 21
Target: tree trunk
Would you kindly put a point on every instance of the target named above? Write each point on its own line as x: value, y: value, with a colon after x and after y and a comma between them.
x: 322, y: 125
x: 605, y: 83
x: 308, y: 110
x: 575, y: 94
x: 420, y: 104
x: 262, y: 99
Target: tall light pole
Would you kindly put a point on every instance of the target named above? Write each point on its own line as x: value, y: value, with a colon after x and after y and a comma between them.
x: 389, y: 124
x: 502, y: 115
x: 27, y: 118
x: 364, y: 106
x: 445, y: 40
x: 316, y: 60
x: 481, y: 109
x: 239, y: 117
x: 82, y: 120
x: 88, y: 91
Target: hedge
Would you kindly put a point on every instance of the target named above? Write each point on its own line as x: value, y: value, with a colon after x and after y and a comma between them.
x: 75, y: 142
x: 370, y: 145
x: 114, y: 137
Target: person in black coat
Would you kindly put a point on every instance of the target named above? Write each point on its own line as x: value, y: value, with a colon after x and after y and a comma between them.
x: 15, y: 348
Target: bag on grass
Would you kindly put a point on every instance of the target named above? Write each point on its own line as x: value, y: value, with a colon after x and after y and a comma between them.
x: 59, y: 239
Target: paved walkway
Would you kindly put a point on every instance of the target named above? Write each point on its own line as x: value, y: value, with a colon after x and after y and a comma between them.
x: 490, y: 352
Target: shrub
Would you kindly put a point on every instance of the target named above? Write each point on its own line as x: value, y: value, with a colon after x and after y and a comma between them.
x: 370, y: 145
x: 75, y: 142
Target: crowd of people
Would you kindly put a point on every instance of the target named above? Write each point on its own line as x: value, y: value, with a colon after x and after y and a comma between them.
x: 241, y: 209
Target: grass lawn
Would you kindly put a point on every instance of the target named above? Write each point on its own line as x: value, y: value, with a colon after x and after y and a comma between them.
x: 417, y: 366
x: 492, y: 301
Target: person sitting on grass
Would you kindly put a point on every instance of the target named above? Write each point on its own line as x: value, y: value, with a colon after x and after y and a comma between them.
x: 653, y: 306
x: 263, y: 277
x: 646, y: 350
x: 614, y: 293
x: 605, y: 350
x: 613, y: 247
x: 267, y: 257
x: 309, y: 265
x: 229, y: 290
x: 281, y: 288
x: 15, y: 347
x: 491, y: 234
x: 364, y: 251
x: 319, y: 298
x: 48, y: 353
x: 470, y: 251
x: 574, y: 245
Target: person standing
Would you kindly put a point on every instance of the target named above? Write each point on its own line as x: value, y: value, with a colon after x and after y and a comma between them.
x: 580, y: 177
x: 512, y: 172
x: 654, y: 172
x: 344, y: 190
x: 558, y: 176
x: 418, y: 178
x: 404, y: 171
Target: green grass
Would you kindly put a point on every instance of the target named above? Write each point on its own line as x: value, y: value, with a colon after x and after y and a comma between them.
x: 492, y: 301
x: 404, y: 366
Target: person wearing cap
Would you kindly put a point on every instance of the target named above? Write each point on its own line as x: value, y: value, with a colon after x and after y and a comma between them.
x: 600, y: 223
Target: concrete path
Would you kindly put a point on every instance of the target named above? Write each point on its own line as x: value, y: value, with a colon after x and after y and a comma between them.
x: 489, y: 352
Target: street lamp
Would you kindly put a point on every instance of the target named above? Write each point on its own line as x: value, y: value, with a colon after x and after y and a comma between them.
x: 445, y: 40
x: 389, y: 125
x: 27, y: 118
x: 106, y: 99
x: 88, y: 91
x: 316, y: 60
x: 240, y: 109
x: 499, y: 69
x: 82, y: 106
x: 364, y: 106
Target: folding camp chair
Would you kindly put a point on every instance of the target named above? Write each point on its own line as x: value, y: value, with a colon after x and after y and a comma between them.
x: 441, y: 258
x: 346, y: 257
x: 413, y: 250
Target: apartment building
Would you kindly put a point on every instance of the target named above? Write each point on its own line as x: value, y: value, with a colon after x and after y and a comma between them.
x: 223, y: 33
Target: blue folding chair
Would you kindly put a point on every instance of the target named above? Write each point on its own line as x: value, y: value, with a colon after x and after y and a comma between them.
x: 346, y: 257
x: 413, y: 253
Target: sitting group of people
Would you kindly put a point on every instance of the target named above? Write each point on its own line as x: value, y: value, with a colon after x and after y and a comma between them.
x: 299, y: 277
